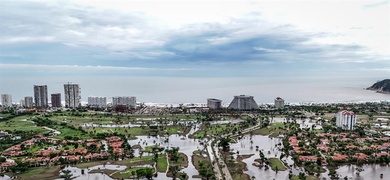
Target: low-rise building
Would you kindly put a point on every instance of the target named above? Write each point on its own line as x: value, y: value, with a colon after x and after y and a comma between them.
x: 279, y: 103
x: 214, y: 103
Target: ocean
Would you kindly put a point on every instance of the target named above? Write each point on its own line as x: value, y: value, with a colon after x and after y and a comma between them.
x: 175, y: 90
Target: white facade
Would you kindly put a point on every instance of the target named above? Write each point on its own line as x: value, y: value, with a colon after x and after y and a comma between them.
x: 28, y: 102
x: 22, y: 103
x: 214, y: 103
x: 346, y: 120
x: 243, y: 102
x: 6, y: 100
x: 279, y: 103
x: 97, y: 101
x: 124, y: 100
x: 72, y: 95
x: 40, y: 96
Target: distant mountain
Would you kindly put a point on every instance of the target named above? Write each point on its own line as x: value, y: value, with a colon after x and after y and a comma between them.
x: 381, y: 86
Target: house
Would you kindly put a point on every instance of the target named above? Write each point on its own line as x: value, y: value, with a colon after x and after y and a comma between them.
x: 339, y: 157
x: 5, y: 165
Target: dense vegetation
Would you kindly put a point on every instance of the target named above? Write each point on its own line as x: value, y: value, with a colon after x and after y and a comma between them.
x: 381, y: 86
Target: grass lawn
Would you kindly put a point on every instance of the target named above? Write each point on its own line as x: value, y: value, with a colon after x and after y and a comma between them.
x: 162, y: 163
x: 90, y: 164
x: 241, y: 176
x: 295, y: 177
x: 127, y: 173
x: 36, y: 148
x: 315, y: 169
x: 198, y: 159
x: 66, y: 131
x: 71, y: 147
x: 182, y: 161
x: 273, y: 130
x: 138, y: 131
x: 277, y: 164
x: 19, y: 123
x: 51, y: 172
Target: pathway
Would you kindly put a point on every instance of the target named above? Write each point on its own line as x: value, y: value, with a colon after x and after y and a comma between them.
x: 214, y: 155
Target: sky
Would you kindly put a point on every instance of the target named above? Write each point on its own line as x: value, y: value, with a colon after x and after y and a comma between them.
x: 150, y: 47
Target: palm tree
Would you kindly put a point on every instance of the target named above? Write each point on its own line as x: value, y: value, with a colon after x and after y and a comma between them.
x: 225, y: 144
x: 174, y: 170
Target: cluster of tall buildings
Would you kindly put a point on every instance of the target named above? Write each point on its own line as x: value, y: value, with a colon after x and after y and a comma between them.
x: 242, y: 102
x: 72, y: 99
x: 41, y: 99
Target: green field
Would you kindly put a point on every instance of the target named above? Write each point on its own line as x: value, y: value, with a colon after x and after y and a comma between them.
x: 295, y: 177
x: 66, y: 131
x: 19, y: 123
x: 138, y: 131
x: 277, y: 164
x: 51, y: 172
x: 126, y: 173
x: 273, y: 130
x: 162, y: 163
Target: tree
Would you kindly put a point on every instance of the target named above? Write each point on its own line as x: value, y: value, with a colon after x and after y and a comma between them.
x: 67, y: 175
x: 302, y: 176
x: 174, y: 171
x: 225, y: 144
x: 173, y: 153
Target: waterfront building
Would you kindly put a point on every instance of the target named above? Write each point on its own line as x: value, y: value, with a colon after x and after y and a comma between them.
x: 279, y: 103
x: 28, y: 102
x: 346, y: 120
x: 22, y: 103
x: 97, y: 101
x: 124, y: 100
x: 6, y: 100
x: 56, y: 100
x: 40, y: 96
x: 243, y: 102
x: 214, y: 103
x: 72, y: 95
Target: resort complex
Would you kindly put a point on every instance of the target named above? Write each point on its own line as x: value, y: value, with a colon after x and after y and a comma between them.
x: 131, y: 140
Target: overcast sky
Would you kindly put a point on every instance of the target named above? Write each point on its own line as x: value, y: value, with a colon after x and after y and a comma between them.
x: 203, y: 38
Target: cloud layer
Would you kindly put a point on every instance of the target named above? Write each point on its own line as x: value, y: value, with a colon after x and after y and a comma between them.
x: 190, y: 38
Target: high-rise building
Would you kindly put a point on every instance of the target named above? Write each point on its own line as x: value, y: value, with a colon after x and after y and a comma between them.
x: 279, y: 103
x: 97, y: 101
x: 6, y: 100
x: 56, y: 100
x: 40, y: 96
x: 243, y: 102
x: 21, y: 103
x: 124, y: 100
x: 28, y: 102
x: 72, y: 95
x: 346, y: 120
x: 214, y: 103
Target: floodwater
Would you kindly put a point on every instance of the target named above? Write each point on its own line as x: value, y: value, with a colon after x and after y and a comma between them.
x: 270, y: 148
x: 247, y: 145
